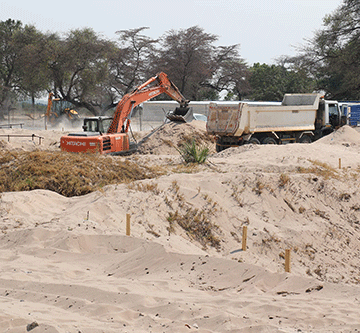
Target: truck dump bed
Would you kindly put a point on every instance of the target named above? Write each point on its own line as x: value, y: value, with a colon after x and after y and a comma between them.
x: 297, y: 112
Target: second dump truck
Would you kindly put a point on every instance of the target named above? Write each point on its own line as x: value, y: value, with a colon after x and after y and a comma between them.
x: 299, y: 118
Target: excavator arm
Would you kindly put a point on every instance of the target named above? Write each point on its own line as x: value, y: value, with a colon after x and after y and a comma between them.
x: 155, y: 86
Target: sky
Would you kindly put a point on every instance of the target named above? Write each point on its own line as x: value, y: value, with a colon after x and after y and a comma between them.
x: 264, y: 29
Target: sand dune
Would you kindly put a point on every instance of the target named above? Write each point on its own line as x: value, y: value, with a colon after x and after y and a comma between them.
x: 67, y: 265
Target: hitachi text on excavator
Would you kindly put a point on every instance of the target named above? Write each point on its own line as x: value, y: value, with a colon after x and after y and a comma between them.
x: 110, y: 134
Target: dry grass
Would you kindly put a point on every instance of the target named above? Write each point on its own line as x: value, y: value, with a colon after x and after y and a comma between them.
x: 284, y: 179
x: 259, y: 187
x: 148, y: 187
x: 321, y: 213
x: 196, y: 222
x: 186, y: 168
x: 236, y: 194
x: 269, y: 239
x: 65, y: 173
x: 320, y: 169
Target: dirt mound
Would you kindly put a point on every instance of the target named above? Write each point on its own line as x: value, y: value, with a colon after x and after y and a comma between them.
x: 345, y: 135
x: 170, y: 136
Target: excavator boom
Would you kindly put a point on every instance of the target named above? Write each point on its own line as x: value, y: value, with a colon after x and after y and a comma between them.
x: 143, y: 93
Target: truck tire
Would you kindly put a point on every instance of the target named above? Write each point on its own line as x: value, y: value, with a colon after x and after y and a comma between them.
x: 254, y: 141
x: 269, y: 141
x: 218, y: 148
x: 305, y: 139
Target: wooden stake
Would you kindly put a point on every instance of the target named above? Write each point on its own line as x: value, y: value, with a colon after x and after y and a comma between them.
x: 127, y: 224
x: 339, y: 163
x: 287, y: 260
x: 88, y: 215
x: 244, y: 237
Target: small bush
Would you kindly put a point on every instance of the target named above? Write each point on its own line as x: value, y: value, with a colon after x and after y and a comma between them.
x: 191, y: 153
x: 283, y: 180
x: 345, y: 197
x: 301, y: 209
x: 259, y: 187
x: 196, y: 222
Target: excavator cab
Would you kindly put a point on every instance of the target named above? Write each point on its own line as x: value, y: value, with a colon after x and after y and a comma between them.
x: 97, y: 124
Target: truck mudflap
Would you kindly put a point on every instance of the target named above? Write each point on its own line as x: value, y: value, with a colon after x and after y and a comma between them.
x: 183, y: 115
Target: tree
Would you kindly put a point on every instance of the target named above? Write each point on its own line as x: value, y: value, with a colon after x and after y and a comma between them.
x: 79, y: 69
x: 8, y: 62
x: 333, y: 54
x: 271, y: 82
x: 32, y: 69
x: 230, y: 73
x: 199, y: 69
x: 186, y: 55
x: 129, y: 61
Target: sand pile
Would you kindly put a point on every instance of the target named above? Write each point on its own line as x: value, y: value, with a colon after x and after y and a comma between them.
x: 67, y: 265
x: 30, y: 140
x: 345, y: 135
x: 170, y: 136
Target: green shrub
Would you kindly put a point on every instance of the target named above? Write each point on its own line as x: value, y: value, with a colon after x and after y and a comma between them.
x: 191, y: 153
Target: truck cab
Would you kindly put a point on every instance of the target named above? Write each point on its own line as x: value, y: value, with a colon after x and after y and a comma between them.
x: 329, y: 116
x: 332, y: 111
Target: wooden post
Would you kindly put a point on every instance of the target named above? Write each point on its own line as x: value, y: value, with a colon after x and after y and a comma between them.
x: 127, y: 224
x: 88, y: 215
x: 244, y: 237
x: 287, y: 260
x: 339, y: 163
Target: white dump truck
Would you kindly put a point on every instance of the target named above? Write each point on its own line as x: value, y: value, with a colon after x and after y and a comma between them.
x: 299, y: 118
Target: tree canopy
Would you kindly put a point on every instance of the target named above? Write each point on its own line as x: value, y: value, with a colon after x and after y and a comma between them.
x: 90, y: 71
x: 271, y: 82
x: 332, y: 56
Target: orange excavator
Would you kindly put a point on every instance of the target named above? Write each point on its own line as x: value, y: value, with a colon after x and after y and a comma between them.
x: 110, y: 134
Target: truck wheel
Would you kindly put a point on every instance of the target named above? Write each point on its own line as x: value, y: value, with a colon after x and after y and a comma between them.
x: 254, y: 141
x: 269, y: 141
x: 218, y: 148
x: 305, y: 139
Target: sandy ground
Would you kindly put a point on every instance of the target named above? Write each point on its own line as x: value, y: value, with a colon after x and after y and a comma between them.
x: 67, y: 266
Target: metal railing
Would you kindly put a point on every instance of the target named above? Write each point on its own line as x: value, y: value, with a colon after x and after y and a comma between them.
x: 33, y: 136
x: 11, y: 125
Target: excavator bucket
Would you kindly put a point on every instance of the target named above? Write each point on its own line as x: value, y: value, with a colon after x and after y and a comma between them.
x: 183, y: 115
